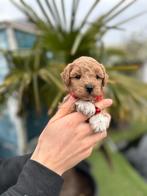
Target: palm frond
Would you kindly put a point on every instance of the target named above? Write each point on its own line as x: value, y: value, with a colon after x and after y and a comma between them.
x: 50, y: 9
x: 36, y: 93
x: 73, y: 13
x: 129, y: 68
x: 120, y: 11
x: 56, y: 11
x: 88, y: 13
x: 44, y: 13
x: 114, y: 8
x: 130, y: 18
x: 63, y: 13
x: 55, y: 102
x: 23, y: 9
x: 29, y: 8
x: 46, y: 75
x: 126, y: 92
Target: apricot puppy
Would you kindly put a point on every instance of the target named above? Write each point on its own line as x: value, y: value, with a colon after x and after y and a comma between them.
x: 85, y: 79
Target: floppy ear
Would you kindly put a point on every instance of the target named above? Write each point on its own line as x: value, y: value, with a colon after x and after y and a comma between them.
x: 105, y: 79
x: 65, y: 75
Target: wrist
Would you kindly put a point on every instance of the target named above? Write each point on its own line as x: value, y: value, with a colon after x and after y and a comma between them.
x: 36, y: 156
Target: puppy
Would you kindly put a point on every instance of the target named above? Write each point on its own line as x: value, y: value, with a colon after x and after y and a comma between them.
x: 85, y: 79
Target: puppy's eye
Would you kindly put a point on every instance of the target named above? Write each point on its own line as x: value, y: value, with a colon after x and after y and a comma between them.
x: 77, y: 77
x: 98, y: 77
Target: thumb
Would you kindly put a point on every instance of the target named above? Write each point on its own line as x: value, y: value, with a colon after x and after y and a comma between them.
x: 103, y: 104
x: 65, y: 108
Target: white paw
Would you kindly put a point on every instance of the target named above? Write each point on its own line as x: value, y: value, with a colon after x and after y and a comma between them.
x: 99, y: 122
x: 85, y: 107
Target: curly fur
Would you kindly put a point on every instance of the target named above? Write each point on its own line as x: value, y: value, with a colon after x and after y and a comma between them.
x: 88, y: 68
x: 76, y: 76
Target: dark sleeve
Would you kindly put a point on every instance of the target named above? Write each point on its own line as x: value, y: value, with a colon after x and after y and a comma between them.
x: 10, y: 169
x: 36, y: 180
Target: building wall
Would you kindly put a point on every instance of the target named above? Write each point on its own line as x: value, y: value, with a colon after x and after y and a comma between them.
x: 13, y: 136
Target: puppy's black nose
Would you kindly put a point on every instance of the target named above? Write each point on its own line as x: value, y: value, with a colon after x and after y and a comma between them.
x: 89, y: 88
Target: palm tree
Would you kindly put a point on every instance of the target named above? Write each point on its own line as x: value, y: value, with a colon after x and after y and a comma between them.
x: 66, y: 40
x: 33, y: 77
x: 60, y: 33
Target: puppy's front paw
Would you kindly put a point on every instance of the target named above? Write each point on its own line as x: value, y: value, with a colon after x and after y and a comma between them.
x: 85, y: 107
x: 99, y: 122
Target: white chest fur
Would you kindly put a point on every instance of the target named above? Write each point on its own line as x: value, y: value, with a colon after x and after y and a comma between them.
x: 99, y: 122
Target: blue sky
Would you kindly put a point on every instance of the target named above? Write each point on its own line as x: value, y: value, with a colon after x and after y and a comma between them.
x: 10, y: 12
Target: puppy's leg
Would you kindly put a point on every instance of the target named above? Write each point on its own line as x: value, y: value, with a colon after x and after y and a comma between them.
x: 85, y: 107
x: 100, y: 122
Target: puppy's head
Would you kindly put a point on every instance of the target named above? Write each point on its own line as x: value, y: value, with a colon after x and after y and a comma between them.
x: 85, y: 78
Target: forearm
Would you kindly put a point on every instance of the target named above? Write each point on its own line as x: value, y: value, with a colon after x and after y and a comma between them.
x: 36, y: 180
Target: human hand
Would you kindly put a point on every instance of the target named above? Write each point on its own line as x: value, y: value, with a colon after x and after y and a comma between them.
x: 67, y: 139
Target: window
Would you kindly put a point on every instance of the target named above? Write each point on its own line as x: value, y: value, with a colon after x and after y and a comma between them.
x: 24, y: 39
x: 3, y: 68
x: 3, y: 39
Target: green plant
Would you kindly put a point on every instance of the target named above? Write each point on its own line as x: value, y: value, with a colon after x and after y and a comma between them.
x: 67, y: 42
x: 72, y: 40
x: 34, y: 79
x: 122, y: 180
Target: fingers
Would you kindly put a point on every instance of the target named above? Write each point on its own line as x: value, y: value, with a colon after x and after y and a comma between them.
x: 96, y: 137
x: 86, y: 153
x: 65, y: 108
x: 104, y: 103
x: 75, y: 118
x: 89, y: 143
x: 84, y: 129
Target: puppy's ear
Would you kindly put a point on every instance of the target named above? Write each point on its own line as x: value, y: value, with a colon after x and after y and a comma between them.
x: 65, y: 75
x: 105, y: 79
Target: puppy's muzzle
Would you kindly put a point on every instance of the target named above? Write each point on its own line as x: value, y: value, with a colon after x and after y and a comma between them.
x: 89, y: 88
